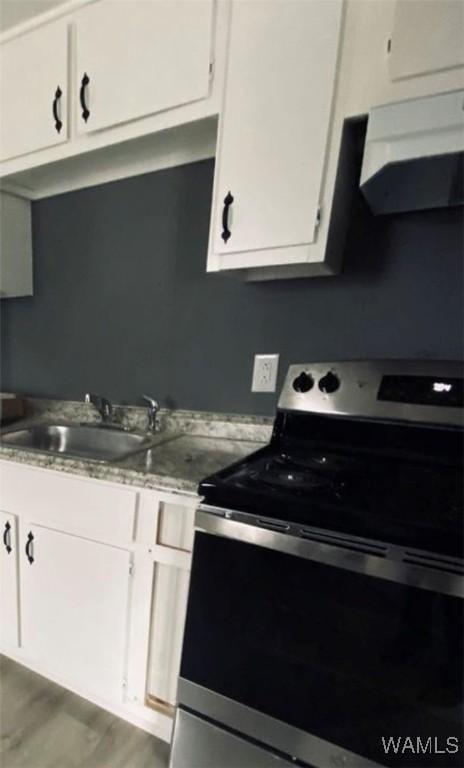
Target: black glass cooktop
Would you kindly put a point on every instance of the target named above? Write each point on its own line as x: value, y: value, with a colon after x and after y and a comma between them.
x: 390, y: 483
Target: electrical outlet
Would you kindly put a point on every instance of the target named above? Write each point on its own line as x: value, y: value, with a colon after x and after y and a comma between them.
x: 265, y: 373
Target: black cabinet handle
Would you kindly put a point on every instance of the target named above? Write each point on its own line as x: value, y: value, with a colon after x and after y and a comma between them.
x: 85, y: 111
x: 7, y: 537
x: 30, y: 539
x: 58, y: 123
x: 226, y: 233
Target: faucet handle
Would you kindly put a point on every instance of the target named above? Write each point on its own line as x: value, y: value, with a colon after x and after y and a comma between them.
x: 103, y: 406
x: 153, y: 408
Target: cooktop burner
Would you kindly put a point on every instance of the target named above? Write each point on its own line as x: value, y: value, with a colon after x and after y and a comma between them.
x: 297, y: 474
x: 322, y: 461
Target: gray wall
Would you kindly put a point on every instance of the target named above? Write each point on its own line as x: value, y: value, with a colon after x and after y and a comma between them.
x: 122, y: 303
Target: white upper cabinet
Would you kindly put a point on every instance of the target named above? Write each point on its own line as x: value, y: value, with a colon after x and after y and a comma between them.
x: 396, y: 50
x: 33, y: 86
x: 136, y: 59
x: 427, y: 37
x: 274, y: 127
x: 16, y: 278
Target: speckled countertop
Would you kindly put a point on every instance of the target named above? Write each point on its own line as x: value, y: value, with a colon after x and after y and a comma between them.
x: 188, y: 447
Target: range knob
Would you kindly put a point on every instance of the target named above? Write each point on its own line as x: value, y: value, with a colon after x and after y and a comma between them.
x: 329, y: 383
x: 303, y: 383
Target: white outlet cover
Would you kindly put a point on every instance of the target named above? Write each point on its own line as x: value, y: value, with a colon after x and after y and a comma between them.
x: 265, y: 370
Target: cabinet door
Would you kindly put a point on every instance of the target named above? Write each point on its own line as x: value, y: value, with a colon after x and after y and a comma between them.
x: 9, y: 615
x: 33, y: 83
x: 427, y: 37
x: 74, y: 606
x: 275, y: 122
x: 167, y: 627
x: 156, y: 56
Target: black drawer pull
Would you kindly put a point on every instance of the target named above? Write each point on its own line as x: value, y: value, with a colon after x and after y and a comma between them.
x: 85, y: 111
x: 58, y: 123
x: 30, y: 539
x: 7, y: 537
x: 226, y: 233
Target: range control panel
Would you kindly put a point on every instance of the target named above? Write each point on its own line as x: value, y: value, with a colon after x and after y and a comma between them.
x: 424, y: 391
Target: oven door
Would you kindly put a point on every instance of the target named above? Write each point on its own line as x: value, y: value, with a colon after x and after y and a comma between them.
x: 331, y: 655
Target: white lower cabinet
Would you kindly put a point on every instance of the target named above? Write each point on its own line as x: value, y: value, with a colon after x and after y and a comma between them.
x: 9, y: 607
x: 74, y: 608
x: 93, y: 587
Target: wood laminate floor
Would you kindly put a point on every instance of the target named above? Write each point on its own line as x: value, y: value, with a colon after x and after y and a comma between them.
x: 45, y: 726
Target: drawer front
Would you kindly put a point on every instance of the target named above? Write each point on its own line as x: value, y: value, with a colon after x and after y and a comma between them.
x: 85, y: 507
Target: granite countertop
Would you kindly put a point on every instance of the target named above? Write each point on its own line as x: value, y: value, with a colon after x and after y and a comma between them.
x: 189, y: 447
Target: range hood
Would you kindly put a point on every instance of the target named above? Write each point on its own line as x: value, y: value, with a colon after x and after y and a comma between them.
x: 414, y: 154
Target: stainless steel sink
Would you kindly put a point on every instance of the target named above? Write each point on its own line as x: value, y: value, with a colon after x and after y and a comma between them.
x: 90, y: 442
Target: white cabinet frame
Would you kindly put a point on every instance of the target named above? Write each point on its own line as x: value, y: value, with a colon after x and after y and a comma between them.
x: 148, y: 554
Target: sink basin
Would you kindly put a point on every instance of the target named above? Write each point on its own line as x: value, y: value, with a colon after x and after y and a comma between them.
x: 90, y: 442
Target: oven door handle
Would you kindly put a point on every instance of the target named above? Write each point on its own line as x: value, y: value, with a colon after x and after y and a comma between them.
x: 410, y: 567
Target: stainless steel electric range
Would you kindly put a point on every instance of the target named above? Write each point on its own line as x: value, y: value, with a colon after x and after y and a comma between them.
x: 325, y: 616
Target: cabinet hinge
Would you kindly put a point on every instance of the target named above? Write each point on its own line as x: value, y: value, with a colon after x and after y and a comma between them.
x: 318, y: 217
x: 131, y: 569
x: 389, y: 45
x: 211, y: 70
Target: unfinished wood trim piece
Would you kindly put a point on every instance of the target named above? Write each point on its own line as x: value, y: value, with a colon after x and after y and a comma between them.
x: 160, y: 706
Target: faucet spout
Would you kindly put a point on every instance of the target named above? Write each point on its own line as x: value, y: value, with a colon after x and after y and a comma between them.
x: 153, y: 408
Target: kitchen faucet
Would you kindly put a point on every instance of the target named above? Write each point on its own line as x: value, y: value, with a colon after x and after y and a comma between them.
x: 103, y: 406
x: 153, y: 408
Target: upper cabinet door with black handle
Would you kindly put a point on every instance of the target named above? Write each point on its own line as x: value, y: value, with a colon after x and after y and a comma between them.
x: 274, y: 126
x: 9, y: 618
x: 33, y: 84
x: 156, y: 56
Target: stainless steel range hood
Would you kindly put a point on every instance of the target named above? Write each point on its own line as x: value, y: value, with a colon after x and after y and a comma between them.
x: 414, y: 154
